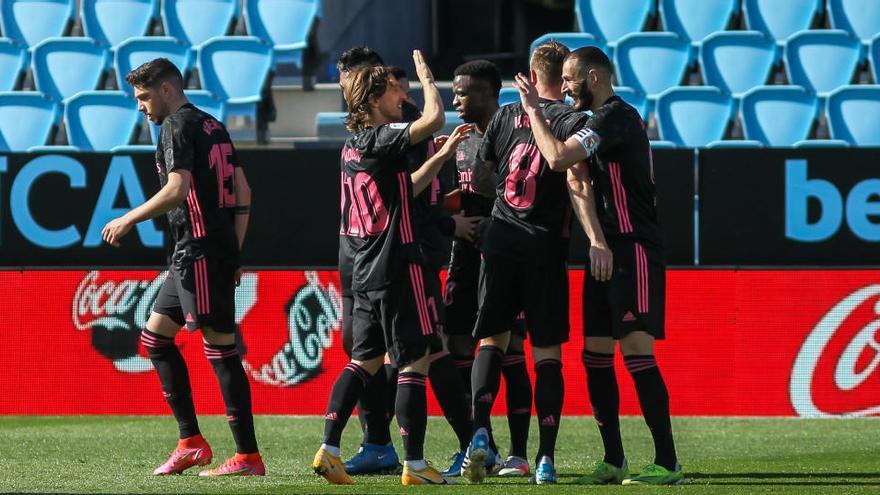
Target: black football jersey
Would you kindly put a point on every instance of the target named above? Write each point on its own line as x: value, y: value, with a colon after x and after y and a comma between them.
x: 622, y: 173
x: 475, y: 178
x: 377, y: 229
x: 532, y: 211
x: 192, y: 140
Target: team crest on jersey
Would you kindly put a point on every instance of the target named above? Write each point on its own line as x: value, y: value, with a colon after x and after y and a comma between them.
x: 398, y: 125
x: 210, y: 125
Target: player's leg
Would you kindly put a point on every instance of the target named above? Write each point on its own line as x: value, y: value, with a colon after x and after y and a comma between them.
x: 376, y: 454
x: 519, y: 402
x: 158, y: 339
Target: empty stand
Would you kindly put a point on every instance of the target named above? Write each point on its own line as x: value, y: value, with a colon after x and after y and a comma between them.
x: 778, y: 115
x: 29, y: 22
x: 110, y: 22
x: 195, y: 21
x: 611, y: 20
x: 737, y: 61
x: 693, y: 116
x: 65, y: 66
x: 780, y: 19
x: 822, y: 60
x: 634, y: 98
x: 100, y: 120
x: 13, y: 60
x: 234, y: 68
x: 26, y: 119
x: 651, y: 62
x: 854, y: 115
x: 283, y: 24
x: 696, y: 19
x: 859, y: 17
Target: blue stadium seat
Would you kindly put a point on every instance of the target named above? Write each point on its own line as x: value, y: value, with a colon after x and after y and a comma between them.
x: 65, y: 66
x: 874, y: 55
x: 737, y: 61
x: 651, y: 62
x: 26, y: 119
x: 204, y: 101
x: 611, y: 20
x: 573, y: 41
x: 331, y: 125
x: 663, y: 145
x: 854, y: 115
x: 28, y: 22
x: 693, y: 20
x: 134, y: 148
x: 859, y: 17
x: 283, y: 24
x: 134, y: 52
x: 693, y: 116
x: 780, y: 19
x: 634, y: 98
x: 735, y: 143
x: 100, y: 120
x: 452, y: 121
x: 508, y: 96
x: 53, y: 148
x: 778, y: 115
x: 194, y: 22
x: 822, y: 61
x: 821, y: 143
x: 13, y: 60
x: 234, y: 68
x: 110, y: 22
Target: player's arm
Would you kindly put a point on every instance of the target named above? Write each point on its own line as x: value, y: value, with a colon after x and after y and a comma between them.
x: 560, y: 156
x: 169, y: 197
x: 242, y: 205
x: 422, y: 177
x: 584, y: 203
x: 433, y: 118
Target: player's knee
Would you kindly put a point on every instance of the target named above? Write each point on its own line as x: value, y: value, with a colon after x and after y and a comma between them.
x: 420, y: 365
x: 213, y: 337
x: 550, y: 352
x: 516, y: 344
x: 601, y: 345
x: 500, y: 341
x: 162, y: 325
x: 637, y: 343
x: 370, y: 365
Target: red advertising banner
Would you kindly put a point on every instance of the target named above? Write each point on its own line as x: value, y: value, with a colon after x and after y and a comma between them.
x: 747, y: 343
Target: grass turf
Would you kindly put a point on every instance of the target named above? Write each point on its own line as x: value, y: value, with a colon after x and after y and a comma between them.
x: 720, y: 455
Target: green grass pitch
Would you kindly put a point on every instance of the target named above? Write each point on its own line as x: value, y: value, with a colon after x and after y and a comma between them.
x: 720, y: 455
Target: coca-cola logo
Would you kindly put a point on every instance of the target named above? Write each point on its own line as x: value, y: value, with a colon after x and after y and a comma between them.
x: 312, y: 313
x: 836, y: 370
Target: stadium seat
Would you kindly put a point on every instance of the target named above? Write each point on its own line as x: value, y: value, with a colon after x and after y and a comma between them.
x: 65, y: 66
x: 611, y: 20
x: 100, y: 120
x: 234, y: 68
x: 693, y: 20
x: 822, y: 61
x: 331, y: 125
x: 26, y: 119
x: 821, y: 143
x: 194, y: 22
x: 53, y: 148
x: 780, y: 19
x: 737, y: 61
x: 203, y: 100
x: 110, y: 22
x: 508, y: 96
x: 282, y: 24
x: 693, y: 116
x: 735, y: 143
x: 452, y: 121
x: 651, y: 62
x: 13, y: 60
x: 134, y: 52
x: 874, y: 55
x: 28, y: 22
x: 134, y: 148
x: 854, y: 115
x: 778, y: 115
x: 663, y: 145
x: 573, y: 41
x: 859, y: 17
x: 634, y: 98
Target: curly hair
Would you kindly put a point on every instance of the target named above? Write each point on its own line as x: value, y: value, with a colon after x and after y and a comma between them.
x: 365, y: 83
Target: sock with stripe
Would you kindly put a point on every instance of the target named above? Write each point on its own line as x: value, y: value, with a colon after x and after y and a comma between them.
x: 519, y: 401
x: 549, y: 394
x: 348, y: 387
x: 605, y: 401
x: 452, y: 396
x: 412, y: 413
x: 372, y: 409
x: 391, y: 396
x: 485, y: 382
x: 464, y: 365
x: 654, y: 399
x: 174, y: 377
x: 236, y: 390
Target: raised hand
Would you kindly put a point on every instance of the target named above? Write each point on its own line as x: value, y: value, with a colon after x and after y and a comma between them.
x: 528, y: 93
x: 422, y: 69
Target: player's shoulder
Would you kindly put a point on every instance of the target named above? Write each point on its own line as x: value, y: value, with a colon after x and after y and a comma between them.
x: 618, y: 109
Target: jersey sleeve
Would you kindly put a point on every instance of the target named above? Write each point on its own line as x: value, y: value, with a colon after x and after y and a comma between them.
x: 178, y: 146
x: 606, y: 130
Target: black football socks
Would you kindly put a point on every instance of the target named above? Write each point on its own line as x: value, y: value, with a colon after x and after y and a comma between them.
x: 549, y: 394
x: 605, y: 400
x: 174, y: 377
x: 519, y: 401
x: 236, y: 391
x: 412, y: 413
x: 654, y: 399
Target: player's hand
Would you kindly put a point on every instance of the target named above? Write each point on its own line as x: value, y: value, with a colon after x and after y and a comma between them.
x: 116, y: 230
x: 466, y: 227
x: 601, y: 262
x: 458, y: 135
x: 422, y: 69
x: 439, y: 141
x: 528, y: 93
x: 237, y: 277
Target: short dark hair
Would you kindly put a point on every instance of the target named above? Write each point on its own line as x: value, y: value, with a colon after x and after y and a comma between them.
x: 547, y: 61
x: 591, y: 57
x: 154, y: 73
x: 358, y: 57
x: 481, y: 70
x: 397, y: 72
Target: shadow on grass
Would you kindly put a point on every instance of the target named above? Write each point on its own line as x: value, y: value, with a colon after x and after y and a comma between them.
x: 794, y: 479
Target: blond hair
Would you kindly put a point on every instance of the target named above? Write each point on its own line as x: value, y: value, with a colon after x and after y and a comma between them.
x: 547, y: 61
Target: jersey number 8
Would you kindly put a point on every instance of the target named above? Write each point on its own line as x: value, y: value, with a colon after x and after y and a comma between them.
x: 521, y: 183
